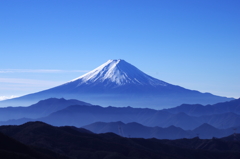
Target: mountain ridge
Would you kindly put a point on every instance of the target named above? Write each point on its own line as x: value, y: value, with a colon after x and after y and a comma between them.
x: 40, y: 109
x: 136, y: 130
x: 198, y: 109
x: 68, y: 141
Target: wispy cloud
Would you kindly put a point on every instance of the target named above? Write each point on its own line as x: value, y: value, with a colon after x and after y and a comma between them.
x: 38, y: 71
x: 21, y: 86
x: 7, y: 97
x: 29, y: 81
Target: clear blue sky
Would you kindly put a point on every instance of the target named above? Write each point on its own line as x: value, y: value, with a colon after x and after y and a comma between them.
x: 191, y: 43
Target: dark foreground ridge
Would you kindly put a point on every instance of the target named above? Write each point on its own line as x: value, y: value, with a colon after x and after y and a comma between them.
x: 71, y: 142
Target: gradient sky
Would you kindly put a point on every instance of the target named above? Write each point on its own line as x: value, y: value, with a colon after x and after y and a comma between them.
x: 191, y: 43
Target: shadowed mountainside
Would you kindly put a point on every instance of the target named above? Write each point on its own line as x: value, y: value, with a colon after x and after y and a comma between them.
x: 11, y: 148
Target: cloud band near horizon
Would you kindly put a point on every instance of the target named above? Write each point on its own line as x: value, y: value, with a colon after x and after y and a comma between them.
x: 39, y: 71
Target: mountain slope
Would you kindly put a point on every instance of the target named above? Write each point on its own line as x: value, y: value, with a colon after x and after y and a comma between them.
x: 119, y: 83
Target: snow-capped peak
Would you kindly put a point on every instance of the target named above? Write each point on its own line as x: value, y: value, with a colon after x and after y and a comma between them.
x: 118, y: 72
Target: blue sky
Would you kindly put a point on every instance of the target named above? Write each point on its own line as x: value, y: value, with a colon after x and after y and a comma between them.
x: 191, y: 43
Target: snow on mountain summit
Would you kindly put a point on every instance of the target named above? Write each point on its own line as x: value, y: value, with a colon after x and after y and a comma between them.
x: 117, y: 72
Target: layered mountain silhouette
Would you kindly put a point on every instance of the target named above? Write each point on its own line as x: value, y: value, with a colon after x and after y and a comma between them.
x: 119, y: 83
x: 77, y: 113
x: 70, y: 142
x: 198, y: 110
x: 136, y: 130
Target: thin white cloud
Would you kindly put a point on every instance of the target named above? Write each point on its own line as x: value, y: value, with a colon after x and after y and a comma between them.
x: 7, y: 97
x: 29, y: 81
x: 38, y: 71
x: 20, y: 86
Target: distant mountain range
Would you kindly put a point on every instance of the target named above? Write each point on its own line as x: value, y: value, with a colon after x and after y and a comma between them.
x: 199, y: 110
x: 39, y: 140
x: 136, y: 130
x: 119, y: 83
x: 60, y: 112
x: 38, y: 110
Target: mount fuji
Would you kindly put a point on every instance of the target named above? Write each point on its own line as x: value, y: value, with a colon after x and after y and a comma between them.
x: 119, y: 83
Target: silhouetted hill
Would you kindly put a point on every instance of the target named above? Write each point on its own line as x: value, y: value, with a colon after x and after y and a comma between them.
x: 40, y: 109
x: 68, y: 141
